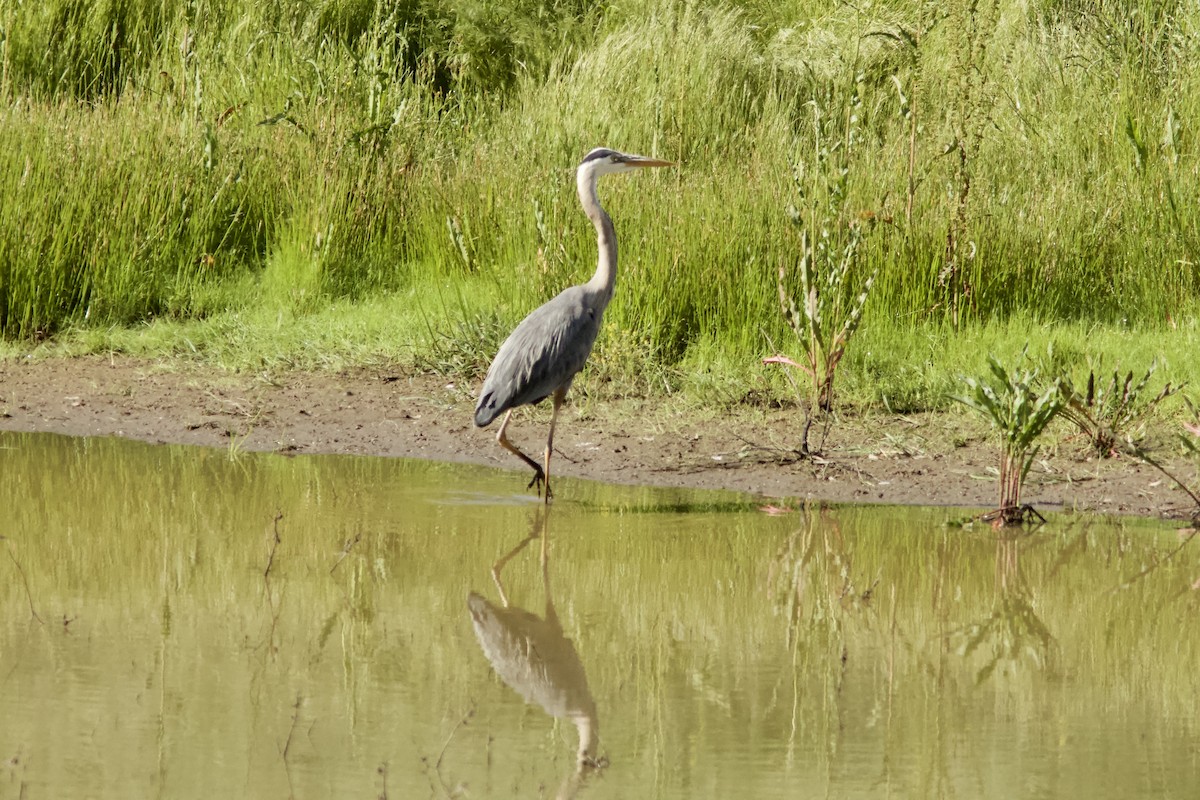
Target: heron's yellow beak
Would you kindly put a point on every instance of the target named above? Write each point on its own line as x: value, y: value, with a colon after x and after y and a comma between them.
x: 642, y: 161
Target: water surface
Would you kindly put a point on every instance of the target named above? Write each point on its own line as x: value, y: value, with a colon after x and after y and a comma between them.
x: 186, y: 622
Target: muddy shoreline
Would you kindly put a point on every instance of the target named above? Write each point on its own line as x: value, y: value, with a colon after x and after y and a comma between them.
x: 926, y: 459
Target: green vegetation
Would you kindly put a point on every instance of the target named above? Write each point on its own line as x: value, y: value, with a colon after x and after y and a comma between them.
x: 1020, y: 409
x: 348, y: 181
x: 1190, y: 438
x: 1113, y: 415
x: 832, y: 296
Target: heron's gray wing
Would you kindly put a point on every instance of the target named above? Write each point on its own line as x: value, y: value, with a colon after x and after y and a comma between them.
x: 543, y: 354
x: 533, y: 656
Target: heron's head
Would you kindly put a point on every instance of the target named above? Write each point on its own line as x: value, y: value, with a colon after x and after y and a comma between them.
x: 603, y: 161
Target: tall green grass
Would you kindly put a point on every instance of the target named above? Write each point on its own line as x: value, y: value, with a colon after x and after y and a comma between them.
x: 183, y: 159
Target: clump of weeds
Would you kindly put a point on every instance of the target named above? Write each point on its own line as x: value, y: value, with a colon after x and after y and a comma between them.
x: 1112, y: 412
x: 832, y: 295
x: 1020, y: 409
x: 462, y: 347
x: 1190, y: 438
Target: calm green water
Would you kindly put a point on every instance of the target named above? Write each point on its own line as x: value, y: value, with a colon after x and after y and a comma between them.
x: 717, y: 651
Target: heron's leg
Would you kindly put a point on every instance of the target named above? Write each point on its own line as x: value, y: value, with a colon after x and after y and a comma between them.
x: 504, y: 559
x: 557, y: 399
x: 539, y: 477
x: 551, y: 614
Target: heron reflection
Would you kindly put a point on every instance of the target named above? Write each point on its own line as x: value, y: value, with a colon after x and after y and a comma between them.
x: 533, y: 656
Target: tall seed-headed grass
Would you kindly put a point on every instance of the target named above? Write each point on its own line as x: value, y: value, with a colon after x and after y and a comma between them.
x: 82, y: 50
x: 1019, y: 409
x: 1147, y: 37
x: 971, y: 27
x: 162, y: 196
x: 95, y: 233
x: 684, y: 236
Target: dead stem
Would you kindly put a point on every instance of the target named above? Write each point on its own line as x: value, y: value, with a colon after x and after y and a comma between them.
x: 287, y: 745
x: 1141, y: 454
x: 785, y: 455
x: 274, y: 544
x: 382, y: 770
x: 268, y: 594
x: 437, y: 764
x: 24, y: 580
x: 1147, y: 570
x: 346, y: 548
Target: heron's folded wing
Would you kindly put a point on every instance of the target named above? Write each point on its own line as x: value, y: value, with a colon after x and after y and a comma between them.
x: 544, y: 353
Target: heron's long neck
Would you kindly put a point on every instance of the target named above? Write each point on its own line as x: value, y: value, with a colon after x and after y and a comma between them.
x: 606, y: 239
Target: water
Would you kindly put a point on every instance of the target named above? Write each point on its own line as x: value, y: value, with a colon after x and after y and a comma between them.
x: 217, y: 624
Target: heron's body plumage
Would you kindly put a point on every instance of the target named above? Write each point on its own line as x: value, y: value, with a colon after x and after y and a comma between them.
x: 544, y: 353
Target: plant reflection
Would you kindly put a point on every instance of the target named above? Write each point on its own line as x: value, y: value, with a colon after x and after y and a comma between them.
x: 534, y: 657
x: 1013, y: 631
x: 811, y: 577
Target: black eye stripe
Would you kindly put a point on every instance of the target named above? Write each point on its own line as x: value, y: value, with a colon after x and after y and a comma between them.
x: 599, y: 152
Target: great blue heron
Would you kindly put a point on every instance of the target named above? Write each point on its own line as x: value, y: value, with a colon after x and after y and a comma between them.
x: 542, y: 355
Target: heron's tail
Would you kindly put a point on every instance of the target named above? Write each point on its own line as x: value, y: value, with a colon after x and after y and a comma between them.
x: 486, y: 411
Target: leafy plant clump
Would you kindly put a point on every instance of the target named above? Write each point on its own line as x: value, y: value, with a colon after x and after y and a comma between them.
x: 1113, y: 413
x: 1020, y: 410
x: 1190, y: 438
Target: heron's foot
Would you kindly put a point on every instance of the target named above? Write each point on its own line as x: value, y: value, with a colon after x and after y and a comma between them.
x: 538, y: 480
x: 541, y: 484
x: 587, y: 762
